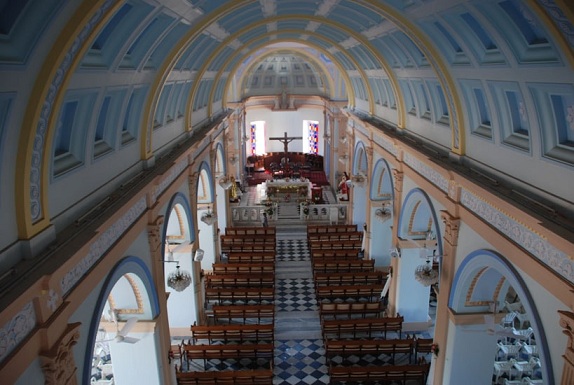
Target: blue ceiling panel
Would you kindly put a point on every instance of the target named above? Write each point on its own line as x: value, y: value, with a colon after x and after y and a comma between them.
x: 166, y: 45
x: 355, y: 16
x: 409, y: 46
x: 332, y: 33
x: 387, y: 54
x: 242, y: 17
x: 253, y: 33
x: 258, y: 42
x: 292, y: 24
x: 320, y: 42
x: 345, y: 62
x: 289, y: 36
x: 398, y: 51
x: 198, y: 52
x: 217, y: 62
x: 299, y: 7
x: 207, y: 6
x: 365, y: 57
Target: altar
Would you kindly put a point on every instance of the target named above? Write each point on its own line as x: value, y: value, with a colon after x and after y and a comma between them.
x: 288, y: 190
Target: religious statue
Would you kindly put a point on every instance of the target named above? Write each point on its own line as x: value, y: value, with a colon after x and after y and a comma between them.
x: 284, y: 100
x: 343, y: 189
x: 233, y: 193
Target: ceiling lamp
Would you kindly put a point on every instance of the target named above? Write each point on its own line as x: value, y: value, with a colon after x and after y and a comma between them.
x: 225, y: 182
x: 209, y: 217
x: 425, y: 274
x: 179, y: 279
x: 383, y: 213
x: 359, y: 179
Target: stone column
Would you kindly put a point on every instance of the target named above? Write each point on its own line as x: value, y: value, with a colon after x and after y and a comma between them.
x: 398, y: 177
x: 447, y: 270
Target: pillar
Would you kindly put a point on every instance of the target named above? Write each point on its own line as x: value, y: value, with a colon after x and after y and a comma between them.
x: 58, y: 362
x: 567, y: 323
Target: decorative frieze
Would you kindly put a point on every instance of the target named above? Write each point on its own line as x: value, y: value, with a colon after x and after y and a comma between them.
x: 426, y: 171
x: 519, y: 233
x: 102, y: 244
x: 16, y: 330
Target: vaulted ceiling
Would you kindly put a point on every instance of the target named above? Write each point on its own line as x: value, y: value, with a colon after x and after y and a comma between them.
x: 83, y: 80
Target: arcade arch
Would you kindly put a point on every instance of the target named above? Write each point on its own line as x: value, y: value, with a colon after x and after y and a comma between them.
x: 487, y: 284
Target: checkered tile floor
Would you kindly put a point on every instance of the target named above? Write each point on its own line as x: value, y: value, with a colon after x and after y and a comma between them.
x: 293, y: 250
x: 295, y: 295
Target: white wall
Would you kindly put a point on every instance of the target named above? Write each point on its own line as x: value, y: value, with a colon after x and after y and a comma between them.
x: 279, y: 122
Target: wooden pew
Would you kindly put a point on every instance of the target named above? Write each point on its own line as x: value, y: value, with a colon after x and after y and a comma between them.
x: 388, y: 374
x: 259, y: 314
x: 250, y: 230
x: 350, y: 278
x: 362, y: 327
x: 360, y: 347
x: 240, y: 239
x: 227, y: 377
x: 423, y: 345
x: 213, y: 281
x: 244, y: 295
x: 227, y: 352
x: 342, y: 266
x: 232, y: 333
x: 351, y: 244
x: 231, y: 243
x: 262, y: 256
x: 335, y: 237
x: 331, y: 293
x: 350, y: 310
x: 243, y: 268
x: 325, y: 229
x: 317, y: 255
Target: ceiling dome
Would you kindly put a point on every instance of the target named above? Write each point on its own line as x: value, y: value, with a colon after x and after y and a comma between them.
x: 289, y: 71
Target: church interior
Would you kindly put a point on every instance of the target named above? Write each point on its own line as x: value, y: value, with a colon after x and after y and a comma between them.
x: 287, y: 192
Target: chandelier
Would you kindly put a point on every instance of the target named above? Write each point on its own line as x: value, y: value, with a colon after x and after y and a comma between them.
x: 226, y: 182
x: 209, y: 217
x: 179, y: 279
x: 426, y: 275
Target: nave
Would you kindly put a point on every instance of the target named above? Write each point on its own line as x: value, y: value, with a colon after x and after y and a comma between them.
x: 299, y: 350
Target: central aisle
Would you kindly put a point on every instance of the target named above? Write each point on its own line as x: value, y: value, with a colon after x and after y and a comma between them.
x: 299, y: 353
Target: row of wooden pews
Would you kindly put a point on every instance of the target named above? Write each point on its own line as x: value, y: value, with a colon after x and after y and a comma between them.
x: 353, y: 320
x: 239, y: 301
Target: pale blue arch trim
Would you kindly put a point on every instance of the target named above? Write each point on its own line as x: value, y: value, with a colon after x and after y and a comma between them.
x: 220, y: 154
x: 415, y: 195
x: 204, y: 166
x: 466, y: 272
x: 181, y: 199
x: 128, y: 265
x: 359, y: 150
x: 381, y: 164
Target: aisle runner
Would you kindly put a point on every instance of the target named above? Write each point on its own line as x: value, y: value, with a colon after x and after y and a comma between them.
x: 299, y: 352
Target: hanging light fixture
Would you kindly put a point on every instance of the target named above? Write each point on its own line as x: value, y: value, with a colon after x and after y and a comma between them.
x: 225, y: 182
x: 179, y: 279
x: 209, y: 217
x: 425, y: 274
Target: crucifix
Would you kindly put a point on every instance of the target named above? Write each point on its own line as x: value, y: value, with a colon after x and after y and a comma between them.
x: 286, y: 140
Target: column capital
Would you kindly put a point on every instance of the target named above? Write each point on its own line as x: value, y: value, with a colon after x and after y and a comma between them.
x: 451, y: 228
x: 58, y: 362
x: 154, y: 233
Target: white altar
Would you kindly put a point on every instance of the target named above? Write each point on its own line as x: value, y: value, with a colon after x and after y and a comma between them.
x: 286, y: 190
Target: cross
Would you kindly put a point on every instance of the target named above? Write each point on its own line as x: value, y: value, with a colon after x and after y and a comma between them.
x: 286, y: 140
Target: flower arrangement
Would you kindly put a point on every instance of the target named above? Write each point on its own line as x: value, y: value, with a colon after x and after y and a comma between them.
x: 269, y: 210
x: 306, y: 210
x: 434, y: 349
